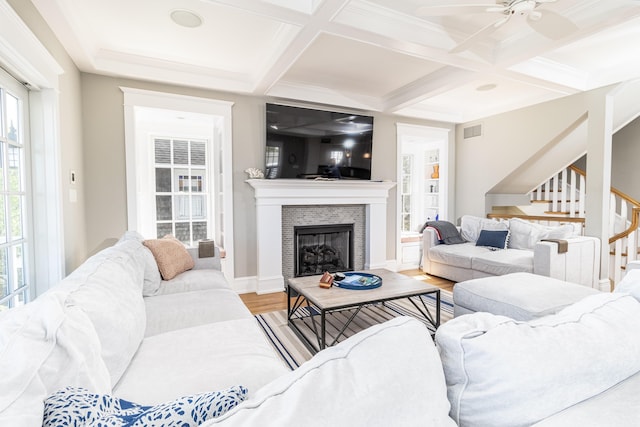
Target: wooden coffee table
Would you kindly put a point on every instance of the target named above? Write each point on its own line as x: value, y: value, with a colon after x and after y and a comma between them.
x: 311, y: 300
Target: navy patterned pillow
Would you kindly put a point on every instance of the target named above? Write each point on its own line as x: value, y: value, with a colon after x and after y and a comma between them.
x: 77, y: 407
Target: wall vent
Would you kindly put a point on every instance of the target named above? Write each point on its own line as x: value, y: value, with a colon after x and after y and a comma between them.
x: 472, y: 131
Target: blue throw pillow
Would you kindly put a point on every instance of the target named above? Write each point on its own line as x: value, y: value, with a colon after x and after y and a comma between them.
x: 77, y: 407
x: 493, y: 238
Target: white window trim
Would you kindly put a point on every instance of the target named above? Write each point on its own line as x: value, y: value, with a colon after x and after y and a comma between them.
x: 28, y: 60
x: 135, y: 155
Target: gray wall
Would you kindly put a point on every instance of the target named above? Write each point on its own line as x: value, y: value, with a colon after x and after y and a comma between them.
x: 104, y: 160
x: 625, y: 174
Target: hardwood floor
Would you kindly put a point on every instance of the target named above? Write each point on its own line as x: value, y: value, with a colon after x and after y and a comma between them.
x: 278, y: 301
x: 265, y: 303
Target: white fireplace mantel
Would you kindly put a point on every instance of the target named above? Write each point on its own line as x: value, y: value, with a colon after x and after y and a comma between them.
x: 272, y: 194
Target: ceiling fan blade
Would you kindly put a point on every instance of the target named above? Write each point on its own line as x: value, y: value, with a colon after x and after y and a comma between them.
x: 458, y: 9
x: 464, y: 45
x: 545, y: 1
x: 553, y: 25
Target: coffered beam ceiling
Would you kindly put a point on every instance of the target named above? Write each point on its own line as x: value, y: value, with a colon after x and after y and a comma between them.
x: 374, y: 55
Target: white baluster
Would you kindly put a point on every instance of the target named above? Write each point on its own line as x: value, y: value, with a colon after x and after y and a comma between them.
x: 554, y: 198
x: 564, y: 191
x: 632, y: 246
x: 583, y: 189
x: 539, y: 192
x: 612, y: 215
x: 617, y: 263
x: 572, y: 195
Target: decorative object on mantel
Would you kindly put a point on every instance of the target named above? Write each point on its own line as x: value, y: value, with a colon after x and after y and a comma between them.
x: 206, y: 248
x: 254, y: 173
x: 436, y: 172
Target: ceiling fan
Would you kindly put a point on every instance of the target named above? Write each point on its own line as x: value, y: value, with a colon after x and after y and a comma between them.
x: 545, y: 22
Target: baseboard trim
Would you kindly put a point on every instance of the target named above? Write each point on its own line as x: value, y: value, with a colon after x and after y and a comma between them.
x: 245, y: 285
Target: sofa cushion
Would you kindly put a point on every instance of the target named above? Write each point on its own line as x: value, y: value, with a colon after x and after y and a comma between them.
x: 344, y: 385
x: 170, y: 255
x: 105, y: 288
x: 520, y: 296
x: 74, y: 406
x: 456, y: 255
x: 62, y: 348
x: 525, y: 234
x: 186, y: 309
x: 193, y: 280
x: 618, y: 406
x: 502, y: 262
x: 502, y: 372
x: 630, y: 283
x: 195, y: 360
x: 152, y: 277
x: 470, y: 226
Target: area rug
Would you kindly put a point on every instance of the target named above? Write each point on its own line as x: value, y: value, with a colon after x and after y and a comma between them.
x: 293, y: 352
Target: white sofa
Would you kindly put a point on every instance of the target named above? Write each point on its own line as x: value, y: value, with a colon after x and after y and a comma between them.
x: 96, y: 330
x: 525, y: 252
x: 578, y: 367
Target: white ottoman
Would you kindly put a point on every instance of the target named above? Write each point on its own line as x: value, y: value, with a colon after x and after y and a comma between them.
x: 520, y: 296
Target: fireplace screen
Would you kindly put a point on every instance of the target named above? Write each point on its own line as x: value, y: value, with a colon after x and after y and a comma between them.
x: 320, y: 248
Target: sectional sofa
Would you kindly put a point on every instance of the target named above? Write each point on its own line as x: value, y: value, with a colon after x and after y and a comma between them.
x: 115, y: 327
x: 525, y: 251
x: 96, y: 330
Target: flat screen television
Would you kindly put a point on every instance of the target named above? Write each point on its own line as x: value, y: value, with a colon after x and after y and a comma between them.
x: 308, y: 144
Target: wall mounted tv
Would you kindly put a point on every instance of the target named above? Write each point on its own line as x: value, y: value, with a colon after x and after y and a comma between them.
x: 306, y: 143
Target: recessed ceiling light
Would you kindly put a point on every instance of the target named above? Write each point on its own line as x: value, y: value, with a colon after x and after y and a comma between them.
x: 186, y: 18
x: 486, y: 87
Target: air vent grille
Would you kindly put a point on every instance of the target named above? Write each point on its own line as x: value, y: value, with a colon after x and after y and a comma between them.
x: 472, y: 131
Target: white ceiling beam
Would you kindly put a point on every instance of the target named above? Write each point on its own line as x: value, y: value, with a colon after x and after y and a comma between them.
x: 307, y: 34
x: 443, y: 80
x: 267, y: 10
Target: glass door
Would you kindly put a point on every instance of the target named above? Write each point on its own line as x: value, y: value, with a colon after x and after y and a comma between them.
x: 15, y: 235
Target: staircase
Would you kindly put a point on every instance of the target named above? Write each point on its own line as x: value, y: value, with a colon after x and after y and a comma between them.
x: 560, y: 200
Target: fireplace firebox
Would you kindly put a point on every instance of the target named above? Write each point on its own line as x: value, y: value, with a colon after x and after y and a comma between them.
x: 320, y: 248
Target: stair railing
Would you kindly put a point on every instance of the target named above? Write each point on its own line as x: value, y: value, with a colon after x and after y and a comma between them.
x: 565, y: 193
x: 623, y: 245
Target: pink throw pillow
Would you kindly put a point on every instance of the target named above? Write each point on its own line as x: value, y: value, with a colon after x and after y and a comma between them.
x: 171, y: 256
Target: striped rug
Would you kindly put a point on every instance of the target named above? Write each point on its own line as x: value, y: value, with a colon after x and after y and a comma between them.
x: 294, y: 352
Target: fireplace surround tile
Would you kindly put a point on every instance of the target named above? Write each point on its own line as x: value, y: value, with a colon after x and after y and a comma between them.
x: 293, y: 215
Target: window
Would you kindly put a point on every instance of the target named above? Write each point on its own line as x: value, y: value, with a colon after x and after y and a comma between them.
x: 272, y: 161
x: 15, y: 241
x: 181, y: 189
x: 336, y: 157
